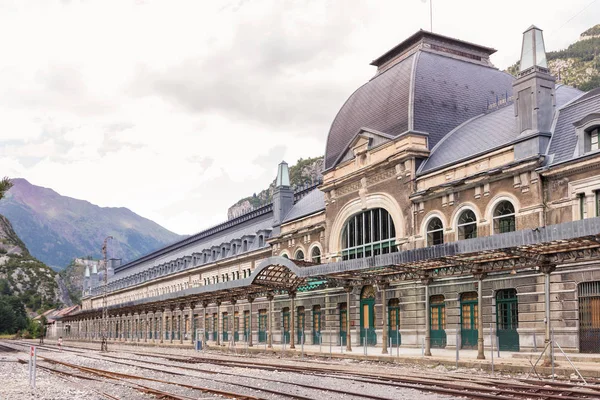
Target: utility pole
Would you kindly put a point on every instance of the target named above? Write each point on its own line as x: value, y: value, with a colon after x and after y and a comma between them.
x: 104, y: 345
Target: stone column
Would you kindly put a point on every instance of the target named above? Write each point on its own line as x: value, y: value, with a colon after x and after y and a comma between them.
x: 204, y: 333
x: 172, y: 325
x: 426, y: 282
x: 270, y: 297
x: 384, y: 334
x: 191, y: 328
x: 250, y: 301
x: 292, y: 320
x: 348, y: 318
x: 480, y: 353
x: 146, y: 326
x: 181, y: 320
x: 218, y: 322
x: 163, y: 327
x: 232, y: 321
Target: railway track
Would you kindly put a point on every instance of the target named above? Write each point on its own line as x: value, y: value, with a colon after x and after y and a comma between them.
x: 461, y: 386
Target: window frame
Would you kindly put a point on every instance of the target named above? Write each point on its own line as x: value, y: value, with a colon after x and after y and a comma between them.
x: 496, y: 218
x: 368, y: 233
x: 430, y: 240
x: 461, y: 227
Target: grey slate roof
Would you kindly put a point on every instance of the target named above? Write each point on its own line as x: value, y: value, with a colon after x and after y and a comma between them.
x: 447, y: 91
x: 309, y: 204
x: 236, y: 232
x: 380, y: 104
x: 483, y: 134
x: 564, y: 140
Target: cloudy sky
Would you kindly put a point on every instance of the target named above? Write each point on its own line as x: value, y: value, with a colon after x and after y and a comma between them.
x: 177, y: 109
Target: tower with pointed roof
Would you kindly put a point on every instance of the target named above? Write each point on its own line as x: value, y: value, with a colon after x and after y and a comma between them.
x: 534, y: 93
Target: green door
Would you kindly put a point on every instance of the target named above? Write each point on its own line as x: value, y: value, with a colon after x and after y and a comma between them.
x: 316, y: 332
x: 300, y: 324
x: 225, y: 327
x: 236, y: 326
x: 262, y: 326
x: 394, y: 322
x: 437, y: 320
x: 246, y: 325
x: 367, y: 321
x: 286, y: 325
x: 507, y: 319
x: 343, y: 323
x: 468, y: 317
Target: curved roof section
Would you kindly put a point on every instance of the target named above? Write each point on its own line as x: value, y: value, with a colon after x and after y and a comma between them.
x: 427, y: 92
x: 483, y: 134
x: 449, y: 92
x: 311, y: 203
x: 380, y: 104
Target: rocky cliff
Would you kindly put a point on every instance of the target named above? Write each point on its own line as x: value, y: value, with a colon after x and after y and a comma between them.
x: 25, y: 277
x: 57, y: 229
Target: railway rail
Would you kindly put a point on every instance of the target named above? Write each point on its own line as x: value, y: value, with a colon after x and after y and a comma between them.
x: 456, y: 385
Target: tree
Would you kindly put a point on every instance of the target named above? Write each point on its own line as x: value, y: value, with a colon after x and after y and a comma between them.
x: 5, y: 185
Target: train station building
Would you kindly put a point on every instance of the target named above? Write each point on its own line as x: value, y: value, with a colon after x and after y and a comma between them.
x: 456, y: 201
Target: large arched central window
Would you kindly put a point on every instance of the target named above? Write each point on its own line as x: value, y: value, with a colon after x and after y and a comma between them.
x: 369, y: 233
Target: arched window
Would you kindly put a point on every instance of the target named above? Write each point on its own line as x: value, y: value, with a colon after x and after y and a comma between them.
x: 435, y: 232
x: 299, y: 255
x: 369, y: 233
x: 467, y: 225
x: 284, y: 255
x: 504, y: 217
x: 315, y: 255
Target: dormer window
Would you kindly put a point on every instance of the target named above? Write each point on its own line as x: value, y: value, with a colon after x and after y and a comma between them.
x: 233, y: 249
x: 245, y: 245
x: 261, y: 241
x: 223, y: 252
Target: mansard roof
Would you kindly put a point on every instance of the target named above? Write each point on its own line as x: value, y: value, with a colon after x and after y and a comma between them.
x: 309, y: 204
x: 564, y: 140
x: 483, y: 134
x: 428, y: 91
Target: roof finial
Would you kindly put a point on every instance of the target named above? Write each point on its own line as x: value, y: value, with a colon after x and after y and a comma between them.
x: 533, y: 52
x: 283, y: 175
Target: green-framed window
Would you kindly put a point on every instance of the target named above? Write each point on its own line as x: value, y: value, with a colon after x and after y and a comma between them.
x: 467, y: 225
x: 369, y: 233
x: 504, y: 217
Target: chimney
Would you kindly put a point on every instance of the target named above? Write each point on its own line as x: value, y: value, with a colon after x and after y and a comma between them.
x: 94, y: 277
x: 534, y: 96
x: 86, y: 280
x: 283, y: 196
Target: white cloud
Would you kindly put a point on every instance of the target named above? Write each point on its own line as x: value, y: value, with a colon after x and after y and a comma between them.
x: 177, y: 109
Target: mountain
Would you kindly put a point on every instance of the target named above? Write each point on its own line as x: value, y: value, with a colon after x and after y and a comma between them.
x: 304, y: 172
x: 578, y: 65
x: 24, y: 277
x: 58, y: 229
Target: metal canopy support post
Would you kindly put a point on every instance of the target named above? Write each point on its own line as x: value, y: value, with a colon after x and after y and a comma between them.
x: 218, y: 323
x: 270, y: 297
x: 427, y: 352
x: 547, y: 270
x: 191, y: 326
x: 250, y: 301
x: 480, y: 354
x: 293, y: 320
x: 384, y: 342
x: 348, y: 318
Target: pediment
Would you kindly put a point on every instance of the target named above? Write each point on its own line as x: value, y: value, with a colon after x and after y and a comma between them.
x: 364, y: 140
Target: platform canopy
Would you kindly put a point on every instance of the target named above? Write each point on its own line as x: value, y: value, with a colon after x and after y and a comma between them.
x: 530, y: 248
